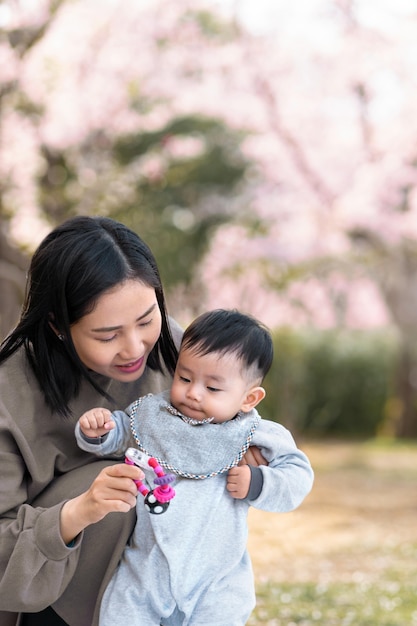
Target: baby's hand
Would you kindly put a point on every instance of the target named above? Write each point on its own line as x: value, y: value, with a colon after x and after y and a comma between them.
x: 238, y: 481
x: 96, y: 422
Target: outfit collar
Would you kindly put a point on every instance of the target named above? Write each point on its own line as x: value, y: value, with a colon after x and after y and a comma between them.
x: 189, y: 420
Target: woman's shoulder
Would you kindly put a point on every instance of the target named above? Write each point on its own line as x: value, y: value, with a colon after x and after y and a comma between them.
x: 16, y: 369
x: 20, y: 393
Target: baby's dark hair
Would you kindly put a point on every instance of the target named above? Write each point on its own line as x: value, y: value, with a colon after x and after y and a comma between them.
x: 229, y: 331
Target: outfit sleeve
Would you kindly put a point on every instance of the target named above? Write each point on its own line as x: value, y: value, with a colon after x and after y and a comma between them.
x: 113, y: 443
x: 288, y: 477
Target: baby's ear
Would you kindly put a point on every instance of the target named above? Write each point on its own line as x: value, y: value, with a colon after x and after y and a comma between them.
x: 253, y: 397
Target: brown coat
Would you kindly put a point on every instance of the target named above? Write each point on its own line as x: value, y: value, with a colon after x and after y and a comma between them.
x: 41, y: 468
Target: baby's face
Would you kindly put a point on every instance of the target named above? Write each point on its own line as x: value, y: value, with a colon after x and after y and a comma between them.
x: 209, y: 385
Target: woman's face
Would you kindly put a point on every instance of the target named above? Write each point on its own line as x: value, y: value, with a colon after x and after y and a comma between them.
x: 115, y: 339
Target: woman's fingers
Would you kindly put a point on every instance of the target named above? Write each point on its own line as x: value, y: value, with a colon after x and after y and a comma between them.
x: 253, y: 457
x: 114, y: 489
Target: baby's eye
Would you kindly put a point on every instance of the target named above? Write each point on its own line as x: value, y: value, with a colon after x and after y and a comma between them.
x: 214, y: 389
x: 184, y: 379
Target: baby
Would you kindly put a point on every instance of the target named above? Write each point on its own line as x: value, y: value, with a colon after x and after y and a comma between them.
x: 190, y: 565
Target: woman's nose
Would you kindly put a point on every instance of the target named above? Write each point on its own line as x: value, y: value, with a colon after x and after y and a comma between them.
x: 132, y: 347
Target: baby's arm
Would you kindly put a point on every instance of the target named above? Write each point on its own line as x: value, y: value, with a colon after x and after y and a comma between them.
x: 288, y: 477
x: 96, y: 422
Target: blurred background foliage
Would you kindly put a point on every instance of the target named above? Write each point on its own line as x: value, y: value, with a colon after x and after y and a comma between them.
x: 178, y: 182
x: 334, y: 383
x: 176, y: 206
x: 175, y: 185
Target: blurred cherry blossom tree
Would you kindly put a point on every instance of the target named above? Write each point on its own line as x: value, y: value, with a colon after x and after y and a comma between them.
x: 314, y: 107
x: 104, y: 135
x: 19, y: 118
x: 336, y: 93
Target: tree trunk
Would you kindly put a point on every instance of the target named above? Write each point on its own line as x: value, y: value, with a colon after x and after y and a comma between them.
x: 13, y: 266
x: 407, y: 380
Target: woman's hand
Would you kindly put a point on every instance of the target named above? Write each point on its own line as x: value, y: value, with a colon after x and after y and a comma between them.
x: 114, y: 489
x: 253, y: 457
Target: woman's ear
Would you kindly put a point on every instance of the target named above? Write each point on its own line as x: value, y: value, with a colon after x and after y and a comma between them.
x: 53, y: 327
x: 253, y: 397
x: 55, y: 330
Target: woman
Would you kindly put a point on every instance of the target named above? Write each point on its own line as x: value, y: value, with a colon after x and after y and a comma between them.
x: 93, y: 330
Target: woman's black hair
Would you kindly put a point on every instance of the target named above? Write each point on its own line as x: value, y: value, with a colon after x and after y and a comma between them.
x: 73, y: 266
x: 230, y: 331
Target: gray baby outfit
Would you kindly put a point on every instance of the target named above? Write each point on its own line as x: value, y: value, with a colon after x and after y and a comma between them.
x: 189, y: 566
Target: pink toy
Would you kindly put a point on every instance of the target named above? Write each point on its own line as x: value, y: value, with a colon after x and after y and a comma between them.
x: 156, y: 500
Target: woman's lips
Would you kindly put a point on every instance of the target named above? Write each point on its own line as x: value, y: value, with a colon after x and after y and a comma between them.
x: 131, y: 368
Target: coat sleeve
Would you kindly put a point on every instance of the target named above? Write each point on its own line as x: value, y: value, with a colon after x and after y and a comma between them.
x: 288, y: 477
x: 35, y: 564
x: 36, y: 567
x: 39, y: 566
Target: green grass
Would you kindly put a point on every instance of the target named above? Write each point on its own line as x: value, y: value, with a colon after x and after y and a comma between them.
x: 392, y: 601
x: 362, y: 518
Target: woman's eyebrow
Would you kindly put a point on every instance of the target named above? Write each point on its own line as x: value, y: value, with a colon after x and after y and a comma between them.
x: 105, y: 329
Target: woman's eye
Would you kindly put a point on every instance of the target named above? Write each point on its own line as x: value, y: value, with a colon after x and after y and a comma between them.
x: 146, y: 323
x: 107, y: 339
